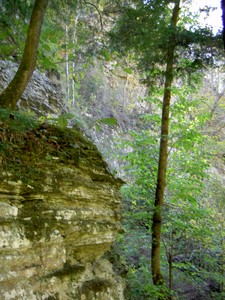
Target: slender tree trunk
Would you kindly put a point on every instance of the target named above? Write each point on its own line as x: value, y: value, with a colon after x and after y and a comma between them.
x: 223, y: 19
x: 171, y: 271
x: 222, y: 258
x: 163, y: 154
x: 222, y: 287
x: 74, y: 64
x: 170, y: 260
x: 67, y: 66
x: 15, y: 89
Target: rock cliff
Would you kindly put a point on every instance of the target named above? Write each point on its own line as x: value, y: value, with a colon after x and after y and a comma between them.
x: 42, y: 95
x: 59, y: 213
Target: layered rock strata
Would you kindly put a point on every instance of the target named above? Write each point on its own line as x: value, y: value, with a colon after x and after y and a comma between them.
x: 59, y: 213
x: 42, y: 95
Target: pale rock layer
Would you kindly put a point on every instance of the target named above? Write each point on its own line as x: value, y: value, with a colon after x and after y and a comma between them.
x: 57, y: 222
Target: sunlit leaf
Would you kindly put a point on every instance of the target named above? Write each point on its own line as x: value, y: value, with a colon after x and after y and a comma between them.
x: 109, y: 121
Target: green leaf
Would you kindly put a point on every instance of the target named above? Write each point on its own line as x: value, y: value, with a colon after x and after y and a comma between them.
x: 97, y: 127
x: 62, y: 122
x: 128, y: 70
x: 48, y: 157
x: 106, y: 54
x: 108, y: 121
x: 67, y: 115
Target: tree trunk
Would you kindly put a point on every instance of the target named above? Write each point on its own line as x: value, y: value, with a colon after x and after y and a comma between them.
x: 223, y: 19
x: 74, y: 53
x: 15, y: 89
x: 222, y: 270
x: 67, y: 66
x: 170, y: 260
x: 163, y: 154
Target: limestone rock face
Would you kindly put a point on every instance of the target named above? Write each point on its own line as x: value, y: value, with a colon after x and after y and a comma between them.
x: 59, y: 213
x: 41, y: 96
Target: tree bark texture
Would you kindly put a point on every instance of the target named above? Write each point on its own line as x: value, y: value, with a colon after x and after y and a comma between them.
x: 163, y: 153
x: 17, y: 86
x: 223, y: 19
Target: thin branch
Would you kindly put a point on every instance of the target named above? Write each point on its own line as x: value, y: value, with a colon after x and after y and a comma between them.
x: 100, y: 15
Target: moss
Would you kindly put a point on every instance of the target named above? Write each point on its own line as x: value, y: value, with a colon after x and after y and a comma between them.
x: 27, y: 147
x: 96, y: 285
x: 67, y: 270
x: 53, y: 297
x: 35, y: 223
x: 119, y: 266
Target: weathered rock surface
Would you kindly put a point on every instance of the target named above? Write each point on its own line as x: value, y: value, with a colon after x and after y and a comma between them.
x: 41, y: 96
x: 59, y: 213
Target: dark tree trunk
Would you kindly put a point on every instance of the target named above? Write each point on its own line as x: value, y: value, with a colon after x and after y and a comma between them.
x: 223, y: 18
x: 15, y: 89
x: 163, y: 154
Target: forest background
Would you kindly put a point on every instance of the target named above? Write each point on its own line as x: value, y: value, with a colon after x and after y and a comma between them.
x: 121, y: 64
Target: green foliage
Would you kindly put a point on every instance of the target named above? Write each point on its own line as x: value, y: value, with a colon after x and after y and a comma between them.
x: 108, y: 121
x: 54, y: 43
x: 128, y: 70
x: 143, y: 30
x: 187, y: 220
x: 140, y: 286
x: 17, y: 121
x: 62, y: 120
x: 105, y: 54
x: 14, y: 23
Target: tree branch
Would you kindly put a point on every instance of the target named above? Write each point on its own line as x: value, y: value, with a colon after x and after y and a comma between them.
x: 100, y: 15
